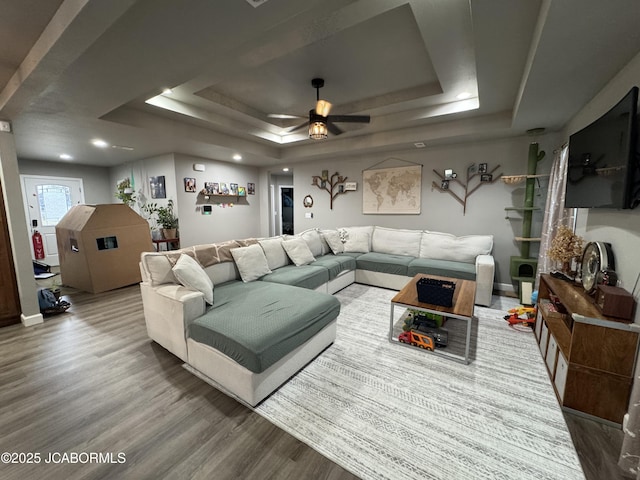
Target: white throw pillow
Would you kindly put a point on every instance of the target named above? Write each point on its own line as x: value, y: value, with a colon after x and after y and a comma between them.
x: 346, y: 232
x: 191, y: 275
x: 357, y: 242
x: 298, y: 251
x: 313, y: 240
x: 273, y: 250
x: 251, y: 262
x: 333, y: 240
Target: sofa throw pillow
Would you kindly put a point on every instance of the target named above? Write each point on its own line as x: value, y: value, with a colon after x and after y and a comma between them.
x: 355, y: 232
x: 251, y: 262
x: 298, y: 251
x: 333, y: 240
x: 273, y: 250
x: 314, y: 241
x: 192, y: 276
x: 357, y: 242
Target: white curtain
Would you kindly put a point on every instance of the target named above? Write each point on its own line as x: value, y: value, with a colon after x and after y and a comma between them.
x: 554, y: 212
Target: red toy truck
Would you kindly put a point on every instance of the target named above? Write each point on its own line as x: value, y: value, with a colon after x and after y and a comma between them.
x: 417, y: 339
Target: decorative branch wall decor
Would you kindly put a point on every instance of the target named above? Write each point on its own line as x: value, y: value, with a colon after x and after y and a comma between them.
x: 333, y: 185
x: 486, y: 177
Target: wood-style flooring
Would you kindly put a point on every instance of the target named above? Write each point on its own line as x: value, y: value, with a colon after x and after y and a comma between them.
x: 90, y: 381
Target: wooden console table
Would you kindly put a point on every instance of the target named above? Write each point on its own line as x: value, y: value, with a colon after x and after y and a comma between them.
x: 170, y: 243
x: 590, y: 357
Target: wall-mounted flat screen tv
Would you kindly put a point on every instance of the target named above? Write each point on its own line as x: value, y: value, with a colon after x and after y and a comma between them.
x: 603, y: 160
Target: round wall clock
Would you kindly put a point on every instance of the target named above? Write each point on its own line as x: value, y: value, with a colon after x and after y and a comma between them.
x: 597, y: 265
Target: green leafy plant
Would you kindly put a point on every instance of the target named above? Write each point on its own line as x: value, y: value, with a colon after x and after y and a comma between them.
x: 165, y: 216
x: 124, y: 192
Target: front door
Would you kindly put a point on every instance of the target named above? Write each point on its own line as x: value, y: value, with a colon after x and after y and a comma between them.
x: 47, y: 200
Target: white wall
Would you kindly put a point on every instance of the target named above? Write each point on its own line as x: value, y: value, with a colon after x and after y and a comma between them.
x: 621, y: 228
x: 440, y: 212
x: 97, y: 188
x: 242, y: 220
x: 141, y: 171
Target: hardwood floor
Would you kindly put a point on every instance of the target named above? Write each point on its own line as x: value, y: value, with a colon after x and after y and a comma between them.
x: 90, y: 380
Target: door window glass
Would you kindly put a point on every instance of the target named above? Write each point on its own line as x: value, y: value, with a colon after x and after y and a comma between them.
x: 55, y: 202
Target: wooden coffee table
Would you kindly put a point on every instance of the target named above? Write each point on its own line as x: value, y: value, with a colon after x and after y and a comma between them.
x: 462, y: 310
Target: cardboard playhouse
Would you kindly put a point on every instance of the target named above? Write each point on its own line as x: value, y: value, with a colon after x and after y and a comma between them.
x: 99, y: 246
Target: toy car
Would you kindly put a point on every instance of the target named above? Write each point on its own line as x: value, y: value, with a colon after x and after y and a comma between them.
x: 417, y: 339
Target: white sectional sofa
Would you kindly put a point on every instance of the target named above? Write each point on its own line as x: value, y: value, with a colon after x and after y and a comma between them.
x: 228, y: 309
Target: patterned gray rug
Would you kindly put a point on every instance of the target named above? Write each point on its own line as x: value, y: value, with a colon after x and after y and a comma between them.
x: 381, y: 410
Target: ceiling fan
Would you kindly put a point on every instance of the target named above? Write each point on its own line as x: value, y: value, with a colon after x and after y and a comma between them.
x: 320, y: 122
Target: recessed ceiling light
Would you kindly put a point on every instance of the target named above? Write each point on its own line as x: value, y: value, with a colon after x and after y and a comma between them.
x: 122, y: 147
x: 285, y: 169
x: 99, y: 143
x: 237, y: 157
x: 167, y: 91
x: 463, y: 95
x: 419, y: 144
x: 65, y: 156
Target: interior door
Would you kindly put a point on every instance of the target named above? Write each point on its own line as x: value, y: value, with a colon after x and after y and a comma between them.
x: 9, y: 299
x: 47, y: 200
x: 286, y: 210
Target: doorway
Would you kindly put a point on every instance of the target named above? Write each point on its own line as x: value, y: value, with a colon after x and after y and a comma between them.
x: 286, y: 210
x: 46, y: 201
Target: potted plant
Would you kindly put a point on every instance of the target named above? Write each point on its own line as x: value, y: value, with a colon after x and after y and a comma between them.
x: 124, y: 192
x: 165, y: 217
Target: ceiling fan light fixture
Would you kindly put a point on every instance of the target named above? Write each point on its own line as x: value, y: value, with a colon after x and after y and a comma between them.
x: 323, y: 108
x: 318, y: 130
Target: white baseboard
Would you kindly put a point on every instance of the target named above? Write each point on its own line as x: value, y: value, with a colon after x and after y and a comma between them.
x: 29, y: 321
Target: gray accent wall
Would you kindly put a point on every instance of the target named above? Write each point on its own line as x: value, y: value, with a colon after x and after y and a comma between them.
x: 242, y: 220
x: 485, y: 212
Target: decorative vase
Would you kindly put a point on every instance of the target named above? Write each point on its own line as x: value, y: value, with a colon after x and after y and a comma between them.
x: 169, y: 233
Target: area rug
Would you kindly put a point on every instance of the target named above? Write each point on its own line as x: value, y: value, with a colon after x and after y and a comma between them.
x: 384, y: 411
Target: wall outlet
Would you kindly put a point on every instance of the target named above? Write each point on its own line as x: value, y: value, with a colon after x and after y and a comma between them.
x: 308, y: 215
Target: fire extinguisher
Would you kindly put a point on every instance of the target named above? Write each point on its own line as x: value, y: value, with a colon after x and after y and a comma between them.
x: 38, y: 247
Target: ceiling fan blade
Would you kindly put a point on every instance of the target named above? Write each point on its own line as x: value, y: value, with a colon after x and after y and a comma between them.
x: 323, y: 108
x: 334, y: 129
x: 349, y: 118
x: 284, y: 116
x: 298, y: 127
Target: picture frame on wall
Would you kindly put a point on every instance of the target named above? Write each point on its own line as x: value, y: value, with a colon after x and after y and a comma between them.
x: 486, y: 177
x: 157, y: 187
x: 482, y: 168
x: 233, y: 189
x: 211, y: 188
x: 224, y: 190
x: 189, y: 184
x: 251, y: 188
x: 242, y: 192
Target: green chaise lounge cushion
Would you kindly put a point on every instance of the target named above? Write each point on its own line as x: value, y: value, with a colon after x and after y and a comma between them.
x: 258, y: 323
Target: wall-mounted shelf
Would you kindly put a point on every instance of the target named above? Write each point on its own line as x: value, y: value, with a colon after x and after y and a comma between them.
x: 530, y: 239
x: 467, y: 190
x: 333, y: 182
x: 219, y: 198
x: 521, y: 209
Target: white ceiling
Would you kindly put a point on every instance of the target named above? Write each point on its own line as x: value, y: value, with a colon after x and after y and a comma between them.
x: 73, y: 70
